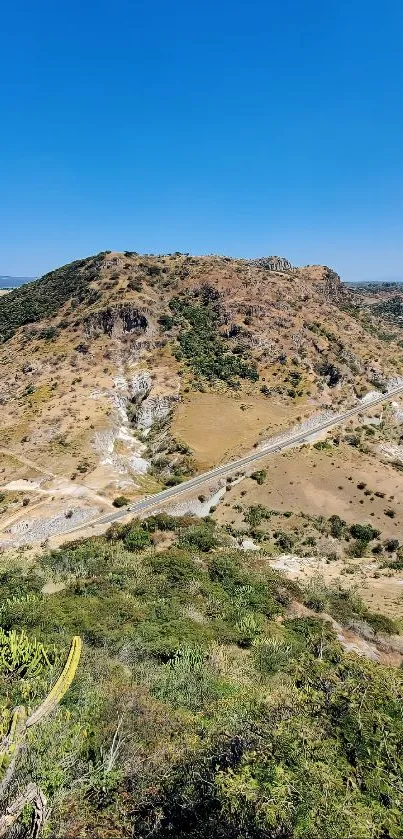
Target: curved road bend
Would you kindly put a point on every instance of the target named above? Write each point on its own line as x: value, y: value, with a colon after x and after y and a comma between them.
x: 154, y: 501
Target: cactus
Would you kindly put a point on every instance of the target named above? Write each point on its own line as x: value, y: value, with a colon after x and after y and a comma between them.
x: 30, y: 795
x: 17, y: 647
x: 20, y: 656
x: 10, y: 742
x: 61, y: 686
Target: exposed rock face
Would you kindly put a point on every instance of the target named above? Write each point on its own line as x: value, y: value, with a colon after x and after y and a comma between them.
x: 324, y: 280
x: 140, y: 385
x: 273, y: 263
x: 332, y: 284
x: 116, y: 320
x: 154, y: 408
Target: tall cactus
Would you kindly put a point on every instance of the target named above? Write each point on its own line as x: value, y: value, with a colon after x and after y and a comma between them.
x: 61, y: 686
x: 16, y: 738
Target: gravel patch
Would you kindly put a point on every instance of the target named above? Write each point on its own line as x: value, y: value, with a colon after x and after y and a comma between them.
x: 195, y: 507
x: 33, y: 530
x: 307, y: 427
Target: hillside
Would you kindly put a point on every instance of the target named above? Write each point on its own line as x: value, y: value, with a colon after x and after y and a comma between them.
x: 123, y: 373
x: 241, y: 674
x: 108, y: 345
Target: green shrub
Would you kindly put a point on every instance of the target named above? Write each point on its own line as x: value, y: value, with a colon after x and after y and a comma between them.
x: 225, y: 568
x: 177, y: 566
x: 271, y: 654
x: 199, y: 536
x: 391, y: 545
x: 357, y: 548
x: 259, y: 476
x: 121, y: 501
x: 381, y: 623
x: 364, y: 532
x: 166, y: 322
x: 248, y: 628
x: 337, y: 527
x: 21, y: 657
x: 137, y: 539
x: 284, y: 541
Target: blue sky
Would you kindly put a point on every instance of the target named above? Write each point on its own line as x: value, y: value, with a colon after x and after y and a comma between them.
x: 209, y: 126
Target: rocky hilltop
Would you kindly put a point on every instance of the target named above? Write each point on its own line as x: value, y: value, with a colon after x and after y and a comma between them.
x: 111, y: 364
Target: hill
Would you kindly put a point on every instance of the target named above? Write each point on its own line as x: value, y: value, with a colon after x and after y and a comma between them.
x: 122, y: 372
x: 241, y: 649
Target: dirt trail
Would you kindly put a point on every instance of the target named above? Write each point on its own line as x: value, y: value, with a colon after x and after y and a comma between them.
x: 64, y: 485
x: 27, y: 462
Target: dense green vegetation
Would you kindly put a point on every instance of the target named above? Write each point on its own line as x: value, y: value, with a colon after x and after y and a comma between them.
x: 209, y: 355
x: 44, y: 297
x: 201, y: 707
x: 391, y: 310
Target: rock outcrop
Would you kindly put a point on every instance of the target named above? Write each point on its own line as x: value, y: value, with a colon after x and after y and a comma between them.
x: 324, y: 280
x: 116, y: 320
x: 273, y: 263
x: 154, y: 408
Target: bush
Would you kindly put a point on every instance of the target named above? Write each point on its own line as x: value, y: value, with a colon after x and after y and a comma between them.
x: 201, y: 537
x: 377, y: 549
x: 391, y: 545
x: 259, y: 476
x: 166, y: 322
x: 316, y: 601
x: 364, y: 532
x: 137, y: 539
x: 337, y: 527
x: 248, y: 629
x: 284, y: 541
x: 225, y: 569
x: 358, y: 548
x: 271, y: 654
x: 177, y: 566
x: 121, y: 501
x: 381, y: 623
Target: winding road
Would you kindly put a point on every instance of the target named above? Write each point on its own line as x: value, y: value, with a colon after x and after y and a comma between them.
x: 154, y: 501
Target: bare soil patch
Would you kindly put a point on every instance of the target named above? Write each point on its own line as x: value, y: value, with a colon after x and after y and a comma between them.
x: 219, y: 427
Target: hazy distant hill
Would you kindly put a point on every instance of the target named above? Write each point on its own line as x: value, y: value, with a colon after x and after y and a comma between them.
x: 13, y: 282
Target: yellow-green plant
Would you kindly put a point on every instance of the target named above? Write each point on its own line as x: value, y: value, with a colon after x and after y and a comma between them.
x: 61, y: 686
x: 16, y: 648
x: 21, y: 656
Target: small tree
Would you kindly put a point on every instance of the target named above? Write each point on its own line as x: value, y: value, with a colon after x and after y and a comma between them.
x: 121, y: 501
x: 259, y: 476
x: 364, y: 532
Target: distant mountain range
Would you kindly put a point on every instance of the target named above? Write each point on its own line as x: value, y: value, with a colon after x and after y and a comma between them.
x: 13, y: 282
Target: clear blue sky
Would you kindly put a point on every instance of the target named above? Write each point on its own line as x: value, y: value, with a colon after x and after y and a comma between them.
x: 209, y: 126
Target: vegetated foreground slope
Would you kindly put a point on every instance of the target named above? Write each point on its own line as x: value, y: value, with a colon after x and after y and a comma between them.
x: 203, y: 706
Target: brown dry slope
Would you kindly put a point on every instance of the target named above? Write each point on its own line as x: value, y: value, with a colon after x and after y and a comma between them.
x: 122, y: 373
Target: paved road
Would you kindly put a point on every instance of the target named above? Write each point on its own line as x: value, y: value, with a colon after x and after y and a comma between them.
x: 154, y: 501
